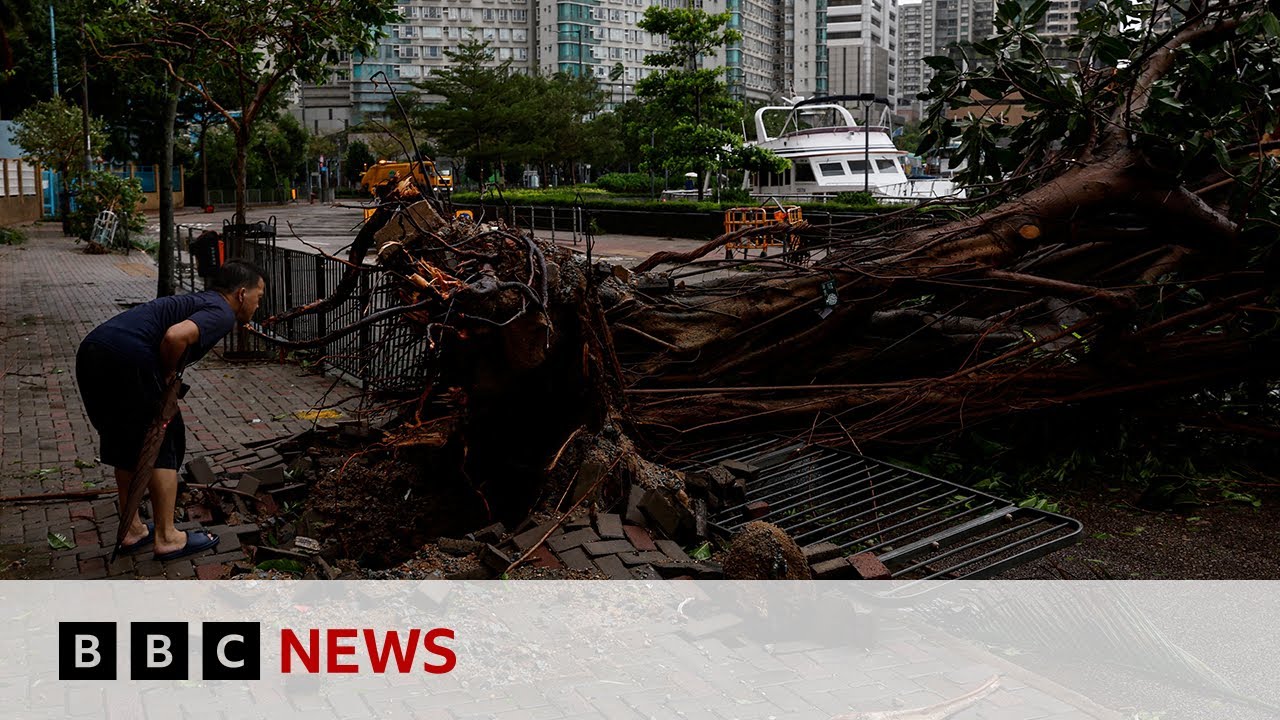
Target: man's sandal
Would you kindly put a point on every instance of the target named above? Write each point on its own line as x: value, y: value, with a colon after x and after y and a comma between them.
x: 197, y: 541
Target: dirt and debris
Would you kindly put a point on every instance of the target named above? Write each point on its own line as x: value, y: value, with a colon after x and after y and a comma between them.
x: 764, y: 552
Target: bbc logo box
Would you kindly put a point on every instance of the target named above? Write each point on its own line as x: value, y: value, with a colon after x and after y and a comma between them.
x: 159, y: 651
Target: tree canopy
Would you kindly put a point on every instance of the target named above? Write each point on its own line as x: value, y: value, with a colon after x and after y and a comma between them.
x: 491, y: 115
x: 688, y: 110
x: 239, y: 57
x: 51, y: 133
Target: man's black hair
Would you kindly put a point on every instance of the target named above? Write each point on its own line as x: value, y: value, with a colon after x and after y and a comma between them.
x: 236, y: 274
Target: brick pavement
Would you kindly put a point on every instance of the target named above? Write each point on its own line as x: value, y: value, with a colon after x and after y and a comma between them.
x: 51, y: 295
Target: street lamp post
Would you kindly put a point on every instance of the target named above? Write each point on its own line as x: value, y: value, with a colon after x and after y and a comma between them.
x: 867, y: 100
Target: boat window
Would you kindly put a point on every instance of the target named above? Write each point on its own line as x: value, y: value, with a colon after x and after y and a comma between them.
x: 857, y: 167
x: 886, y: 166
x: 804, y: 172
x: 829, y: 169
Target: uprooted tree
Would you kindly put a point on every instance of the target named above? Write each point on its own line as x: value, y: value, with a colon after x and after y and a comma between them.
x: 1118, y: 245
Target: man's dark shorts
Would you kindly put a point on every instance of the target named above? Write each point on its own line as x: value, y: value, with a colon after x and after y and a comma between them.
x: 123, y: 400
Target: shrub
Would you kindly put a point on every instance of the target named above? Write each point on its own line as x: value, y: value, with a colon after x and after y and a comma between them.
x: 101, y: 190
x: 12, y: 236
x: 856, y: 199
x: 737, y: 196
x: 626, y: 183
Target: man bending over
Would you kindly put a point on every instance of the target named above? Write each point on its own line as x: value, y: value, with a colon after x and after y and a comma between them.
x: 123, y: 367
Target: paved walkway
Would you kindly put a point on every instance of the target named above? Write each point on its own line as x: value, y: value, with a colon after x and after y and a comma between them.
x: 51, y: 295
x: 332, y: 227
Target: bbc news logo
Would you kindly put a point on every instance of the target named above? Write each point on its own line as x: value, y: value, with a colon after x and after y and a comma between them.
x: 233, y: 651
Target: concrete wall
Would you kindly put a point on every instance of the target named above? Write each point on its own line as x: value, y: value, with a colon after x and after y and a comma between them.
x: 19, y: 192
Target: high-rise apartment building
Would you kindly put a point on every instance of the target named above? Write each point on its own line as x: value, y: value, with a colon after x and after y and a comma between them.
x: 910, y: 56
x: 862, y: 47
x: 930, y: 28
x: 783, y: 51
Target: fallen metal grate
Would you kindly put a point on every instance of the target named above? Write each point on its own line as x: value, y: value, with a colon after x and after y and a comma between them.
x: 919, y: 526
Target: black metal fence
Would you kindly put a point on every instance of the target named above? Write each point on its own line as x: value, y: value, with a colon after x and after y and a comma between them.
x: 389, y: 355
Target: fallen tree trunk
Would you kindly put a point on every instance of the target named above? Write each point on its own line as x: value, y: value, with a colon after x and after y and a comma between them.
x: 1089, y: 275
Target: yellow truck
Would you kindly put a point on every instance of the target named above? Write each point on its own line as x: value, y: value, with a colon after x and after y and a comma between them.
x: 425, y: 172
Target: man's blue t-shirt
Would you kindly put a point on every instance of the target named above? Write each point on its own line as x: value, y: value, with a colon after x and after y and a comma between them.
x: 135, y: 334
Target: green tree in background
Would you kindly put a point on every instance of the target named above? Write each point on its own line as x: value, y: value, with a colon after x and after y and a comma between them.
x: 51, y: 134
x: 482, y: 116
x: 358, y: 159
x: 688, y: 109
x: 254, y: 49
x: 497, y: 119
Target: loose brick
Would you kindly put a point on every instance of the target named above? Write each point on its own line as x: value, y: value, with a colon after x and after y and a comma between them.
x: 179, y: 570
x: 578, y: 520
x: 740, y: 469
x: 268, y: 477
x: 495, y: 559
x: 577, y: 538
x: 543, y: 558
x: 642, y: 558
x: 213, y: 571
x: 835, y: 569
x: 634, y: 514
x: 201, y: 471
x: 490, y: 534
x: 528, y: 538
x: 673, y: 550
x: 607, y: 547
x: 756, y: 510
x: 640, y: 537
x: 867, y: 566
x: 226, y: 557
x: 820, y: 552
x: 576, y: 559
x: 612, y: 567
x: 459, y: 548
x: 666, y: 514
x: 610, y: 526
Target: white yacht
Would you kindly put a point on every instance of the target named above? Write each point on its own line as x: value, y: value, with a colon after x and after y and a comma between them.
x: 830, y: 153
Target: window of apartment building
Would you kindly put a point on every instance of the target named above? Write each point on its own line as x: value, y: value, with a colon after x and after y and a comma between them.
x: 522, y: 54
x: 504, y: 34
x: 431, y: 13
x: 433, y: 51
x: 504, y: 53
x: 489, y: 34
x: 487, y: 14
x: 503, y: 14
x: 520, y: 15
x: 432, y: 32
x: 520, y: 35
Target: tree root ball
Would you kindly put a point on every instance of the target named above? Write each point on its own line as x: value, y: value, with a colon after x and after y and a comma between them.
x: 764, y: 552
